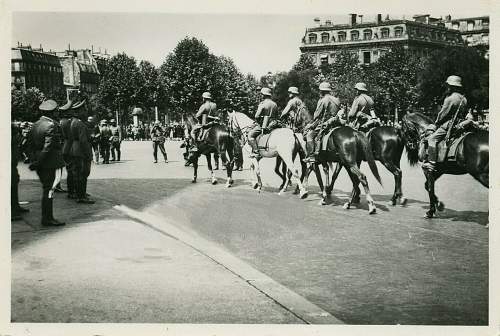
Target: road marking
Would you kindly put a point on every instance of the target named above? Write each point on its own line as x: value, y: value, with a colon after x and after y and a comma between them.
x: 303, y: 309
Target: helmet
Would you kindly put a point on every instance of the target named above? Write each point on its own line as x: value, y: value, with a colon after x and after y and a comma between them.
x: 325, y: 87
x: 360, y: 87
x: 104, y: 122
x: 454, y: 81
x: 293, y: 89
x: 266, y: 91
x: 206, y: 95
x: 112, y: 120
x: 90, y: 119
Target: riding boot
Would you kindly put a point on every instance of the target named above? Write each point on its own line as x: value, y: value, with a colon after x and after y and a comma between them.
x: 310, y: 152
x: 430, y: 164
x: 119, y: 155
x: 47, y: 213
x: 255, y: 148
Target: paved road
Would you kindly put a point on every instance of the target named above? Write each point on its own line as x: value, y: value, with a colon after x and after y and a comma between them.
x: 392, y: 267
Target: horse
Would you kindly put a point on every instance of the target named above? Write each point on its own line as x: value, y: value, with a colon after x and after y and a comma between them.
x: 218, y: 140
x: 472, y: 157
x: 348, y: 148
x: 387, y: 143
x: 280, y: 142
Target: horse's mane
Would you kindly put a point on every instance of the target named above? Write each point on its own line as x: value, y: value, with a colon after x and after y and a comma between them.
x: 243, y: 116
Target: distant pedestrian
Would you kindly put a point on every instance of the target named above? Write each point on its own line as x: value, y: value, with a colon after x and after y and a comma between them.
x: 65, y: 123
x: 116, y: 141
x: 158, y: 137
x: 16, y: 210
x: 94, y: 137
x: 104, y: 142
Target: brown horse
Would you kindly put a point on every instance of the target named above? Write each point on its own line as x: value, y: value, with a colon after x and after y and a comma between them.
x: 472, y: 157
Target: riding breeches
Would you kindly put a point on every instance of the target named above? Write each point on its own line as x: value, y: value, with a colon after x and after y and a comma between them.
x: 436, y: 137
x: 254, y: 132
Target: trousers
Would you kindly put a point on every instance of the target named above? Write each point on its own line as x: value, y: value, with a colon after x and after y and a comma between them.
x: 81, y: 172
x: 116, y: 152
x: 104, y: 149
x: 46, y: 177
x: 156, y: 145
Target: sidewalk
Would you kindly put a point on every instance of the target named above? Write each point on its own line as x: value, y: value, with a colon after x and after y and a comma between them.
x: 105, y: 267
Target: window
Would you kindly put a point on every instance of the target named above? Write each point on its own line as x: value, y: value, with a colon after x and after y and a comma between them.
x: 324, y: 59
x: 485, y: 22
x: 455, y: 25
x: 367, y: 34
x: 485, y: 38
x: 313, y: 38
x: 398, y: 31
x: 17, y: 66
x: 325, y: 38
x: 470, y: 39
x: 342, y: 36
x: 366, y: 57
x: 355, y: 35
x: 470, y: 25
x: 385, y: 32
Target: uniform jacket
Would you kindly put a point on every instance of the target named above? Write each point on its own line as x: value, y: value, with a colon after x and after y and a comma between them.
x: 362, y: 103
x: 66, y: 135
x: 157, y: 134
x: 15, y: 142
x: 105, y: 133
x: 266, y: 108
x: 449, y: 108
x: 327, y: 107
x: 45, y: 143
x: 80, y: 146
x: 209, y: 108
x: 294, y: 105
x: 94, y: 133
x: 116, y: 133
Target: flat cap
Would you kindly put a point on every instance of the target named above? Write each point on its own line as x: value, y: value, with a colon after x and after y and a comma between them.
x: 48, y: 105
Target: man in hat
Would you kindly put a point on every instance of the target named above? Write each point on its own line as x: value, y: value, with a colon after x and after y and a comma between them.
x: 104, y: 142
x: 207, y: 109
x: 94, y: 137
x: 294, y: 106
x: 362, y: 112
x: 80, y: 152
x: 325, y: 115
x: 65, y: 123
x: 45, y: 143
x: 158, y: 137
x: 455, y: 103
x: 116, y: 140
x: 266, y: 110
x: 15, y: 208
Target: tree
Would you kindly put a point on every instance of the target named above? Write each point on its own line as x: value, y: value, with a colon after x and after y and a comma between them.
x: 24, y: 105
x: 304, y: 63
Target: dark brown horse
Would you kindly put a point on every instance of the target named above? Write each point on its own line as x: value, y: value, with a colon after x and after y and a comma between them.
x: 347, y: 147
x: 387, y: 144
x: 219, y: 141
x: 472, y: 157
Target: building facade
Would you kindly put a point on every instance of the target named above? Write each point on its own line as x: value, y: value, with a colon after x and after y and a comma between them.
x: 35, y: 68
x: 80, y: 70
x: 475, y: 31
x: 371, y: 40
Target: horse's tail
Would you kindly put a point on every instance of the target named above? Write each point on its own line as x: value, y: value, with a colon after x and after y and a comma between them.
x: 367, y: 148
x: 299, y: 147
x: 410, y: 146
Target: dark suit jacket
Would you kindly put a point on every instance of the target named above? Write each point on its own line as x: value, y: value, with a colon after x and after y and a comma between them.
x: 45, y: 143
x: 80, y: 146
x: 66, y: 134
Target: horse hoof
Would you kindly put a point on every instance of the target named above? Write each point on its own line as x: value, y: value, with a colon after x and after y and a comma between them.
x: 393, y: 202
x: 440, y: 206
x: 403, y: 201
x: 296, y: 191
x: 429, y: 214
x: 228, y: 185
x: 372, y: 211
x: 193, y: 181
x: 346, y: 206
x: 255, y: 185
x: 214, y: 182
x: 304, y: 195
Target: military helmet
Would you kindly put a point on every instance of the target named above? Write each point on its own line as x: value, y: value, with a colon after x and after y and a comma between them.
x: 157, y: 122
x: 112, y: 120
x: 293, y: 89
x: 360, y: 87
x: 325, y: 87
x: 104, y: 122
x: 266, y: 91
x: 454, y: 81
x: 48, y: 105
x: 206, y: 95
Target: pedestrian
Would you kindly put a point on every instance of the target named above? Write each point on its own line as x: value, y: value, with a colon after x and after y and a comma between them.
x: 65, y: 123
x: 45, y: 143
x: 266, y: 110
x: 158, y: 138
x: 80, y: 152
x: 293, y: 107
x: 116, y: 141
x: 16, y: 210
x: 104, y: 141
x: 362, y: 115
x: 94, y: 137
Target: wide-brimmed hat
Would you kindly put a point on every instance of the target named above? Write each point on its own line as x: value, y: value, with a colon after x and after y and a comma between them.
x: 454, y: 81
x: 266, y: 91
x: 293, y: 89
x: 325, y: 87
x: 360, y: 87
x: 48, y: 105
x: 206, y: 95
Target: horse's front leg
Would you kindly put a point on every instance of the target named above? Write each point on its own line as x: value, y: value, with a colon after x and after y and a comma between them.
x: 434, y: 203
x: 229, y: 169
x: 324, y: 193
x: 213, y: 179
x: 194, y: 161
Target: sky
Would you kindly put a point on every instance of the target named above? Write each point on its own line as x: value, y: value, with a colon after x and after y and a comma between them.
x: 257, y: 43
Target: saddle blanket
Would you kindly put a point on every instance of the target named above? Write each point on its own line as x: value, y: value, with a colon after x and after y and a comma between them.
x: 449, y: 153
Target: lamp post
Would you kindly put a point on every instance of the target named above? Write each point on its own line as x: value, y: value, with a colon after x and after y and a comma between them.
x: 117, y: 113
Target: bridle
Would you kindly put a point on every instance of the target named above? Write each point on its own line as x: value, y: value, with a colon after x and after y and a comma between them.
x: 238, y: 130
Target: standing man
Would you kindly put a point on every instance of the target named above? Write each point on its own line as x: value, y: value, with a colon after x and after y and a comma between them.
x: 158, y: 137
x: 267, y: 109
x: 104, y: 141
x: 116, y: 140
x: 294, y: 106
x: 208, y: 108
x: 65, y: 124
x: 15, y: 209
x: 45, y: 142
x: 94, y: 137
x: 325, y: 114
x: 455, y: 103
x: 362, y: 112
x: 80, y: 152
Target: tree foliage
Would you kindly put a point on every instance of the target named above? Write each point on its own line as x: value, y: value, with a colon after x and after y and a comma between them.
x: 24, y: 104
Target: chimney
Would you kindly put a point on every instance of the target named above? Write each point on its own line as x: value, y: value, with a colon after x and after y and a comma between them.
x: 448, y: 17
x: 69, y: 46
x: 328, y: 22
x: 317, y: 21
x: 379, y: 18
x: 360, y: 18
x: 41, y: 49
x: 353, y: 19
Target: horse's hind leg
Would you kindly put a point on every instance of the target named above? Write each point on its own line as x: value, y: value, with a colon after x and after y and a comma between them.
x: 324, y: 193
x: 335, y: 175
x: 213, y: 179
x: 195, y: 169
x: 278, y: 171
x: 229, y: 166
x: 287, y: 159
x: 360, y: 177
x: 398, y: 175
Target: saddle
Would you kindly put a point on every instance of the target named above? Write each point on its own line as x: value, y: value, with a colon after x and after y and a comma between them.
x: 447, y: 150
x: 204, y: 130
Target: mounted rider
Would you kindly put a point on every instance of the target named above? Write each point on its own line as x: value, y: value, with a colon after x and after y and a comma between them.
x: 452, y: 112
x: 206, y: 110
x: 325, y: 116
x: 362, y: 115
x: 267, y: 110
x: 293, y: 107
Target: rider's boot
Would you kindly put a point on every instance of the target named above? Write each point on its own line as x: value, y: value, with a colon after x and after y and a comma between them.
x: 255, y: 148
x: 310, y: 152
x: 430, y: 164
